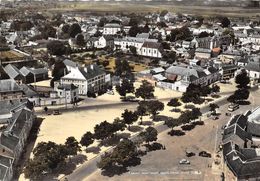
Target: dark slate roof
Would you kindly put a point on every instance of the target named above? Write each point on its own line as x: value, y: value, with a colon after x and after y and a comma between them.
x: 92, y: 71
x: 25, y: 71
x: 9, y: 85
x: 235, y: 130
x: 203, y: 50
x: 12, y: 71
x: 70, y: 63
x: 253, y: 128
x: 155, y: 45
x: 39, y: 71
x: 5, y: 163
x: 239, y: 119
x: 67, y: 87
x: 3, y: 74
x: 28, y: 90
x: 9, y: 141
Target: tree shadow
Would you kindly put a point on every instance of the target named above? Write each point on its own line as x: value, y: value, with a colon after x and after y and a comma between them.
x: 112, y: 141
x: 72, y: 163
x: 177, y: 110
x: 159, y: 118
x: 93, y: 149
x: 114, y: 170
x: 154, y: 146
x: 124, y: 135
x: 135, y: 128
x: 147, y: 123
x: 244, y: 102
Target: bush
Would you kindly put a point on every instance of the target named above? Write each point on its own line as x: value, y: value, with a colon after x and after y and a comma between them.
x: 176, y: 133
x: 189, y: 106
x: 91, y: 94
x: 215, y: 96
x: 188, y: 127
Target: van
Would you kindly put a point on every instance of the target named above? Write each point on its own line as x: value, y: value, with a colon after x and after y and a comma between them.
x: 233, y: 107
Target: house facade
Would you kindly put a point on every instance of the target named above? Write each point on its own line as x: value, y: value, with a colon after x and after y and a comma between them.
x: 151, y: 49
x: 111, y: 29
x: 87, y: 79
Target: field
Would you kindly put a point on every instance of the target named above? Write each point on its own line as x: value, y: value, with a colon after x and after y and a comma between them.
x: 11, y: 55
x: 142, y: 7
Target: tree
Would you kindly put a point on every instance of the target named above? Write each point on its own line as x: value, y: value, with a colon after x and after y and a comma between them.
x: 154, y: 107
x: 142, y: 109
x: 145, y: 91
x: 103, y: 130
x: 124, y: 151
x: 213, y: 107
x: 182, y: 33
x: 72, y: 146
x: 125, y: 87
x: 171, y: 123
x: 203, y: 34
x: 123, y: 69
x: 225, y: 22
x: 146, y: 29
x: 241, y: 94
x: 185, y: 117
x: 242, y: 79
x: 149, y: 135
x: 56, y: 48
x: 80, y: 41
x: 118, y: 125
x: 102, y: 22
x: 195, y: 113
x: 129, y: 117
x: 215, y: 88
x: 34, y: 168
x: 134, y: 30
x: 133, y: 50
x: 48, y: 31
x: 174, y: 103
x: 74, y: 30
x: 65, y: 28
x: 232, y: 99
x: 87, y: 139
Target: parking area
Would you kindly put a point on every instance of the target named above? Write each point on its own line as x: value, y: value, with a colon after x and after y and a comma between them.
x: 164, y: 164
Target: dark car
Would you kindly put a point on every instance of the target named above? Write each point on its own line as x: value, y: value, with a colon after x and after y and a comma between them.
x: 190, y: 154
x: 204, y: 154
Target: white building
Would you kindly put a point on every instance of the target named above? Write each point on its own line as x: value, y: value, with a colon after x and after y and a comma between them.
x: 87, y: 79
x: 152, y: 49
x: 111, y: 29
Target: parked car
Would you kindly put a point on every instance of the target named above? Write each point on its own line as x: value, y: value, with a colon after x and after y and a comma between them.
x: 190, y: 154
x: 184, y: 162
x: 204, y: 154
x: 232, y: 107
x: 56, y: 112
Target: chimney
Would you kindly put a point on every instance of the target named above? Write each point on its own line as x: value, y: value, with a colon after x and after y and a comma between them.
x: 92, y: 67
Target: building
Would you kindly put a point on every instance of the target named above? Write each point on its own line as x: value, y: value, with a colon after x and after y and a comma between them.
x: 240, y: 137
x: 151, y: 49
x: 253, y: 68
x: 180, y: 77
x: 10, y: 90
x: 15, y: 129
x: 68, y: 91
x: 87, y: 79
x: 111, y: 29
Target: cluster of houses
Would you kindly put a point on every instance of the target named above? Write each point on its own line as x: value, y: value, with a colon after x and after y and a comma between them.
x: 16, y: 120
x: 241, y: 145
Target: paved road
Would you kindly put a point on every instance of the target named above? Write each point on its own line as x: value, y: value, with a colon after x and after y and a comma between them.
x: 89, y: 167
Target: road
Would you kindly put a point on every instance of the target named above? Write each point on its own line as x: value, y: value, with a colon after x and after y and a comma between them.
x: 90, y: 166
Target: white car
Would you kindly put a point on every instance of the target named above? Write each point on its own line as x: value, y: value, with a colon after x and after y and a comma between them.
x: 184, y: 161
